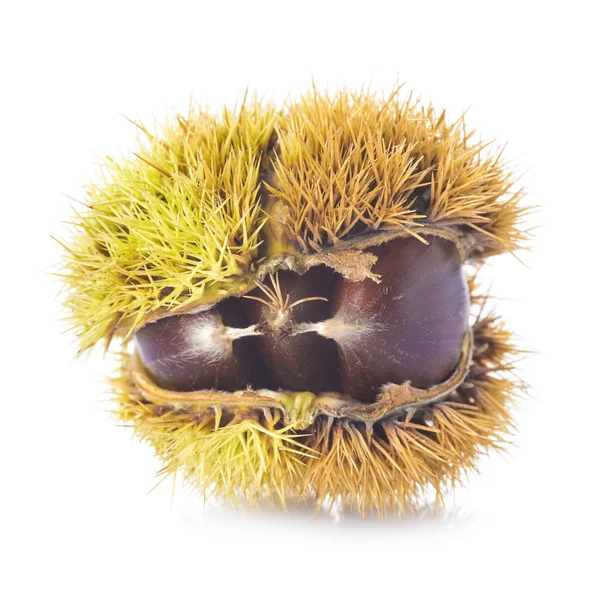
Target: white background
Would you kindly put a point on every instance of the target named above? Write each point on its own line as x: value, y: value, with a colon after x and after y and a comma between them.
x: 77, y: 518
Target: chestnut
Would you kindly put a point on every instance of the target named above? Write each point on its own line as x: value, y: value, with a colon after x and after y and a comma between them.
x: 409, y: 326
x: 306, y: 361
x: 300, y: 271
x: 204, y: 350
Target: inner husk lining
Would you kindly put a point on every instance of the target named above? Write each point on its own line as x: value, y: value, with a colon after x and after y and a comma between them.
x: 300, y: 409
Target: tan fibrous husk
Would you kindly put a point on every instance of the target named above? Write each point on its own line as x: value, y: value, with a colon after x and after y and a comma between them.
x: 207, y: 199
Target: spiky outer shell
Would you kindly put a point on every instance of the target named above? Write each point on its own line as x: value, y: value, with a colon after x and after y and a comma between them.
x: 211, y: 204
